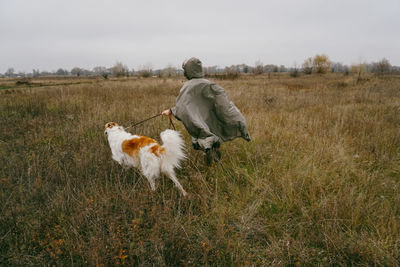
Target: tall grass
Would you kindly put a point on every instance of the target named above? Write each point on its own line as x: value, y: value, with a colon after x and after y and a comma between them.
x: 318, y: 185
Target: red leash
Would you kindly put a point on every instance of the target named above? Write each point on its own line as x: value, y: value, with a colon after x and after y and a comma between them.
x: 170, y: 122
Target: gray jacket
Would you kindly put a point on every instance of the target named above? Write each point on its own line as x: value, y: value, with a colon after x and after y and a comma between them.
x: 206, y: 111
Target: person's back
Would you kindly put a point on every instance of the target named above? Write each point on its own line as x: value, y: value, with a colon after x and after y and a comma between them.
x: 206, y: 111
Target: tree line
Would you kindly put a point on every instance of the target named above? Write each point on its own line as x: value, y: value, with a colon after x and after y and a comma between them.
x: 320, y: 64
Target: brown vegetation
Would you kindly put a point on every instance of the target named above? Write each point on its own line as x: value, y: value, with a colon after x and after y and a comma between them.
x: 318, y: 184
x: 319, y: 64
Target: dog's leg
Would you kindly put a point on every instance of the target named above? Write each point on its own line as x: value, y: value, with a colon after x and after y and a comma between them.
x: 152, y: 183
x: 150, y: 168
x: 151, y: 178
x: 172, y: 176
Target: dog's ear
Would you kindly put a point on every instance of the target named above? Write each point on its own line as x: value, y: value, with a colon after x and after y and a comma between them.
x: 110, y: 124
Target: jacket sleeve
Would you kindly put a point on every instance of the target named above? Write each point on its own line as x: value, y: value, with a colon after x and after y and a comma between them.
x: 173, y: 112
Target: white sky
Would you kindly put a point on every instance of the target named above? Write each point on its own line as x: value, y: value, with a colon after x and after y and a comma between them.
x: 52, y: 34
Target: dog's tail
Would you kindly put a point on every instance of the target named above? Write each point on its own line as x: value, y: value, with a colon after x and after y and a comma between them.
x: 173, y: 144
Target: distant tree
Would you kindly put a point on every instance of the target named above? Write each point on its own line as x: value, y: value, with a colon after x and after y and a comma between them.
x: 101, y: 71
x: 258, y: 68
x: 321, y: 64
x: 210, y: 70
x: 146, y: 70
x: 270, y: 68
x: 232, y: 69
x: 346, y: 70
x: 158, y: 73
x: 86, y: 72
x: 232, y: 72
x: 120, y: 69
x: 169, y: 71
x: 45, y: 73
x: 35, y: 73
x: 338, y: 67
x: 9, y: 72
x: 308, y: 66
x: 76, y: 71
x: 282, y: 68
x: 245, y: 68
x: 294, y: 72
x: 395, y: 69
x: 381, y: 67
x: 61, y: 72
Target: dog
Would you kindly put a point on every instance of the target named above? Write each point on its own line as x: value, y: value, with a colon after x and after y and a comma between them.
x: 146, y: 153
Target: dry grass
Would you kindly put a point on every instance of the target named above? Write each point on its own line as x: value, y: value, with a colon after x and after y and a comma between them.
x: 318, y: 185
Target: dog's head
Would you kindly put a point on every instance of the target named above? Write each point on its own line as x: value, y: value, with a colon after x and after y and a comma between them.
x: 111, y: 127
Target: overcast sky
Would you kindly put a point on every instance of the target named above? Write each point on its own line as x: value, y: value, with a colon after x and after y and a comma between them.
x: 52, y: 34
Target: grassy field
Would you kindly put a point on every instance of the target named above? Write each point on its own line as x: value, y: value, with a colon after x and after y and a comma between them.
x: 318, y: 185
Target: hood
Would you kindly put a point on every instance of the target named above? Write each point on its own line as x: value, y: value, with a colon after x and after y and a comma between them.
x: 192, y: 68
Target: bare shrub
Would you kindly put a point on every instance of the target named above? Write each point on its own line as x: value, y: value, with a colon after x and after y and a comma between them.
x: 258, y: 68
x: 294, y: 72
x: 359, y: 70
x: 382, y: 67
x: 169, y: 71
x: 120, y: 69
x: 146, y: 71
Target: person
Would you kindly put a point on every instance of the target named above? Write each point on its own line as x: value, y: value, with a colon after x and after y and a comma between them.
x: 206, y: 112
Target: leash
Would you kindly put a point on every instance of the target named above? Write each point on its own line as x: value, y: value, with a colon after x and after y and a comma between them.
x: 140, y: 122
x: 155, y: 116
x: 170, y: 122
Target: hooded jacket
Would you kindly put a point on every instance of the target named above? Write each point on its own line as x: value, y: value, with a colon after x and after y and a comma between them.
x: 206, y: 111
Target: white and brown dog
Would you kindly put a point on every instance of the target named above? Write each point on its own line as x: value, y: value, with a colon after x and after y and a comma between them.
x: 145, y: 153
